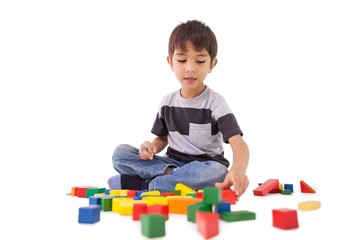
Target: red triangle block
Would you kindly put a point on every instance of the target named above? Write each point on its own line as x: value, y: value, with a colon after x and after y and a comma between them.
x: 305, y: 188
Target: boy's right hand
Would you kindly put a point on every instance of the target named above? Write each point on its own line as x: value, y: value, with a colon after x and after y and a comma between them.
x: 147, y: 150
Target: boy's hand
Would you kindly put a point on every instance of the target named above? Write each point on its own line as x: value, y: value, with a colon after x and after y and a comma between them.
x: 147, y: 151
x: 237, y: 179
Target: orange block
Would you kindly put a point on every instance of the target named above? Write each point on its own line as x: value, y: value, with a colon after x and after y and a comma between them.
x: 179, y: 205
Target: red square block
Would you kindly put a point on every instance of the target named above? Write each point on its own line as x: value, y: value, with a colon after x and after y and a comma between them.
x: 228, y: 195
x: 138, y: 209
x: 207, y: 224
x: 159, y: 209
x: 285, y: 218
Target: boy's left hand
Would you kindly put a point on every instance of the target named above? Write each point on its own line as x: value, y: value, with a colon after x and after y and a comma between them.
x: 237, y: 179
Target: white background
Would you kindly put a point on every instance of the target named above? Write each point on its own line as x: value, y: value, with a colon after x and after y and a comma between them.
x: 77, y: 78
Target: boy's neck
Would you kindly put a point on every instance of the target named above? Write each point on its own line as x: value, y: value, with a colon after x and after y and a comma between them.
x: 192, y: 93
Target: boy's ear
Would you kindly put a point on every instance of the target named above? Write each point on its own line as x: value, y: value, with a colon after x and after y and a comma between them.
x: 212, y: 64
x: 169, y: 60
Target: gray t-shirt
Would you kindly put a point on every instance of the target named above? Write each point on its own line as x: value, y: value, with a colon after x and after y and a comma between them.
x: 197, y: 127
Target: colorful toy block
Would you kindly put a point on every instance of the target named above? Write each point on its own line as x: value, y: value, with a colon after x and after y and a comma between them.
x: 179, y: 205
x: 212, y: 195
x: 207, y: 224
x: 152, y: 225
x: 309, y: 205
x: 193, y: 208
x: 266, y: 187
x: 285, y: 218
x: 184, y: 189
x: 237, y: 216
x: 138, y: 209
x: 159, y: 209
x: 289, y: 187
x: 305, y: 188
x: 89, y: 214
x: 228, y: 195
x: 223, y: 207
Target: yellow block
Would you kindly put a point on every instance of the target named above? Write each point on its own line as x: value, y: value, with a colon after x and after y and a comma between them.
x: 151, y: 193
x: 184, y: 190
x: 118, y: 192
x: 116, y: 203
x: 309, y: 205
x: 151, y: 200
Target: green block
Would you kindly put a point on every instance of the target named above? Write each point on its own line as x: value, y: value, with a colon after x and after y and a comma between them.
x: 286, y: 192
x: 237, y: 216
x: 92, y: 191
x: 106, y: 203
x: 153, y: 225
x: 176, y: 192
x: 193, y: 208
x: 212, y: 195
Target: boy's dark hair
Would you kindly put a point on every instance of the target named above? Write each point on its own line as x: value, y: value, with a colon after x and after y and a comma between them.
x: 198, y: 33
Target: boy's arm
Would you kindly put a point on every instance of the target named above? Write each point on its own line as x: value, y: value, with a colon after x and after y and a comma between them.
x: 236, y: 176
x: 160, y: 143
x: 148, y: 150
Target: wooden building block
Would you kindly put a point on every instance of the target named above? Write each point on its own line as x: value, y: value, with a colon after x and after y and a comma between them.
x: 159, y: 209
x: 305, y: 188
x: 237, y: 216
x: 285, y: 218
x: 309, y: 205
x: 184, y: 189
x: 89, y: 214
x: 212, y: 195
x: 193, y: 208
x: 266, y: 187
x: 179, y: 204
x: 152, y: 225
x: 138, y: 209
x: 207, y: 224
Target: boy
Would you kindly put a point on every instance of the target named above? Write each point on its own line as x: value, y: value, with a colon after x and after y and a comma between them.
x: 193, y: 122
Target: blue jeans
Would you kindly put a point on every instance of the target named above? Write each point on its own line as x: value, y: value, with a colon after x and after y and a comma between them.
x: 195, y: 174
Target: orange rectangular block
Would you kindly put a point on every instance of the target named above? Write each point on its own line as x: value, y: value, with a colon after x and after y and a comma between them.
x: 266, y: 187
x: 179, y: 205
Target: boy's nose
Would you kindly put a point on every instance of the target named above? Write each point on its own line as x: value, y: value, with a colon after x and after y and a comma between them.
x: 190, y: 68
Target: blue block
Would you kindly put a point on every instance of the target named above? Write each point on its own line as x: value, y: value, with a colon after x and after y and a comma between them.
x: 223, y: 207
x: 89, y: 214
x: 289, y: 187
x: 94, y: 200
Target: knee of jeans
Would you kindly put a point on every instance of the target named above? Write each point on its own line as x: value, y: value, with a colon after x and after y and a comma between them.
x: 119, y: 151
x: 218, y: 168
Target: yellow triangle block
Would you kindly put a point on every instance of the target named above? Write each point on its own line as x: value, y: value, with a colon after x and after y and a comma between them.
x: 309, y: 205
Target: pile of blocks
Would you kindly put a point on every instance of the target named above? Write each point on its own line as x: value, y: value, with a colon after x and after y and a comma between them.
x: 205, y: 207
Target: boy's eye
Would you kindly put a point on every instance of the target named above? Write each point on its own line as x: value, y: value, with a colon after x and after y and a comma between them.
x: 180, y: 60
x: 201, y: 61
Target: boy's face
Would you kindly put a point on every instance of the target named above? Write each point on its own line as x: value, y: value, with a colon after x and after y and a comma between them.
x: 190, y: 68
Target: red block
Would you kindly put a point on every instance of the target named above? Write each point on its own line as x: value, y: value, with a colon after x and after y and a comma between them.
x: 228, y: 195
x: 132, y: 193
x: 305, y: 188
x: 266, y: 187
x: 159, y: 209
x: 81, y: 191
x: 138, y: 209
x: 285, y: 218
x: 207, y: 224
